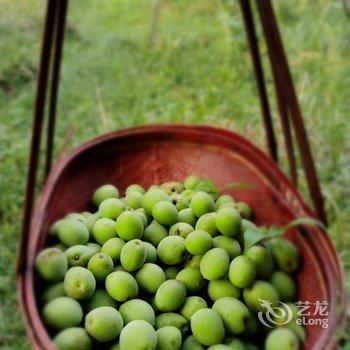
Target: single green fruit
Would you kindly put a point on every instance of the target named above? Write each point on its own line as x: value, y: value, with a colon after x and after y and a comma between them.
x: 143, y: 215
x: 165, y: 213
x: 51, y: 264
x: 202, y: 203
x: 133, y: 255
x: 191, y: 305
x: 187, y: 216
x: 262, y: 259
x: 228, y: 221
x: 150, y: 277
x: 187, y: 194
x: 198, y: 242
x: 137, y: 309
x: 233, y: 313
x: 285, y: 254
x: 79, y: 283
x: 138, y: 335
x: 103, y: 193
x: 245, y: 211
x: 281, y: 339
x: 154, y: 233
x: 181, y: 229
x: 76, y: 216
x: 214, y: 264
x: 191, y: 343
x: 222, y: 288
x: 207, y: 327
x: 53, y: 291
x: 101, y: 265
x: 103, y: 230
x: 235, y: 344
x: 225, y: 198
x: 259, y: 291
x: 135, y: 188
x: 79, y: 255
x: 220, y: 347
x: 95, y: 247
x: 133, y: 199
x: 172, y: 187
x: 171, y: 250
x: 104, y: 323
x: 74, y: 338
x: 53, y: 232
x: 129, y: 226
x: 192, y: 279
x: 231, y: 245
x: 63, y: 312
x: 284, y: 285
x: 113, y: 248
x: 121, y: 286
x: 72, y: 232
x: 191, y: 182
x: 90, y: 221
x: 171, y: 273
x: 153, y: 196
x: 111, y: 208
x: 195, y: 261
x: 100, y: 298
x: 207, y: 223
x: 179, y: 201
x: 170, y: 295
x: 168, y: 338
x: 151, y: 253
x: 242, y: 272
x: 172, y: 319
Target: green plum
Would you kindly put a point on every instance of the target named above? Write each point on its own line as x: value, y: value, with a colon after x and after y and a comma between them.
x: 187, y: 216
x: 103, y: 230
x: 233, y: 313
x: 129, y: 226
x: 170, y: 295
x: 79, y: 283
x: 121, y: 286
x: 165, y: 213
x: 103, y: 193
x: 53, y: 231
x: 95, y: 247
x: 192, y: 278
x: 245, y: 210
x: 138, y: 335
x: 242, y: 272
x: 286, y: 254
x: 281, y: 339
x: 168, y: 338
x: 225, y: 198
x: 171, y: 272
x: 214, y: 264
x: 151, y: 253
x: 137, y: 309
x: 104, y: 323
x: 54, y: 291
x: 181, y: 229
x: 207, y: 223
x: 202, y: 203
x: 191, y: 182
x: 101, y: 265
x: 194, y: 261
x: 198, y: 242
x: 100, y: 298
x: 113, y: 248
x: 222, y: 288
x: 191, y: 343
x: 260, y: 290
x: 63, y: 312
x: 171, y: 250
x: 154, y: 233
x: 153, y: 196
x: 133, y: 200
x: 74, y: 338
x: 179, y: 201
x: 191, y: 305
x: 284, y: 285
x: 72, y: 232
x: 263, y: 261
x: 79, y: 255
x: 150, y: 277
x: 172, y: 319
x: 133, y: 255
x: 207, y: 327
x: 111, y: 208
x: 51, y: 264
x: 228, y: 221
x: 172, y: 187
x: 135, y: 188
x: 231, y: 245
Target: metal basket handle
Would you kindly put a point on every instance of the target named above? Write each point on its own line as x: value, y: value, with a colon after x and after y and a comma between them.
x: 288, y: 106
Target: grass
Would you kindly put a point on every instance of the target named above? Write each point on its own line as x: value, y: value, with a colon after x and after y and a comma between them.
x: 196, y: 69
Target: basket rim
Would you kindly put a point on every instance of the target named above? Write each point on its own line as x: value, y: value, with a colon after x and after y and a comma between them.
x: 25, y: 279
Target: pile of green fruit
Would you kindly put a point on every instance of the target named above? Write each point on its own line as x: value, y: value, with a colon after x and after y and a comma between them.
x: 168, y: 268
